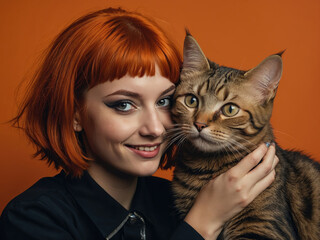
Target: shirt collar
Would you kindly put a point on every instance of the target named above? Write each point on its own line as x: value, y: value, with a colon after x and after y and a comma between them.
x: 103, y: 210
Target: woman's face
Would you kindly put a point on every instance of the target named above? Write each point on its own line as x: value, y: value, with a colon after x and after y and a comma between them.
x: 124, y: 123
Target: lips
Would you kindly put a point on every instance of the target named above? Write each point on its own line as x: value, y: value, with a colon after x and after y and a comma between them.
x: 145, y: 151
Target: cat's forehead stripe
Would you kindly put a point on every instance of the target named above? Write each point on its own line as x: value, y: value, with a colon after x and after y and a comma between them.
x: 204, y: 87
x: 219, y: 85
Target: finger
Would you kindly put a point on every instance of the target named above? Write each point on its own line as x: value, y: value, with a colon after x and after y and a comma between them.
x: 264, y: 168
x: 275, y: 163
x: 262, y: 185
x: 249, y: 162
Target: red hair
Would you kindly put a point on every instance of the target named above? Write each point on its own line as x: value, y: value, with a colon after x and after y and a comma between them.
x: 101, y: 46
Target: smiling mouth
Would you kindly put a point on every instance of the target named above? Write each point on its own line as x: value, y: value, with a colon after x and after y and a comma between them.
x: 146, y: 151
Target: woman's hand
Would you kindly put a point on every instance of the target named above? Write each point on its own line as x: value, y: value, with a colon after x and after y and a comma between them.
x: 226, y: 195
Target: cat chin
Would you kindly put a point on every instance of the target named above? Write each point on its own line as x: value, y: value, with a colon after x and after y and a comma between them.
x: 205, y: 146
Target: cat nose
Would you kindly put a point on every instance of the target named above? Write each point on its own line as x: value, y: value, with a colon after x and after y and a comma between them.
x: 200, y: 126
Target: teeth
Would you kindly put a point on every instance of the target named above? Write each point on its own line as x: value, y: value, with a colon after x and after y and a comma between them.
x: 147, y: 149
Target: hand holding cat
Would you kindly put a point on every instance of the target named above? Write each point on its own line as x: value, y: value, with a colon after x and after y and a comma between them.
x: 226, y: 195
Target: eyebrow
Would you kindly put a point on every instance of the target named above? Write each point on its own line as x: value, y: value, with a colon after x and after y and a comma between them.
x: 137, y: 95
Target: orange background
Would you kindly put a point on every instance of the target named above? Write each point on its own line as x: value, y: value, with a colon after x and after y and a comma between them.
x: 235, y: 33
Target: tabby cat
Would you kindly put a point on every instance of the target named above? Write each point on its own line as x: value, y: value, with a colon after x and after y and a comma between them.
x: 221, y: 115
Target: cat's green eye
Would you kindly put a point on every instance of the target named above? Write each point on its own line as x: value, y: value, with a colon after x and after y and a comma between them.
x: 191, y: 101
x: 230, y: 110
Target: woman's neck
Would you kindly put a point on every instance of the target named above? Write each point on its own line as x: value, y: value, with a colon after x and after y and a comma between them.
x: 120, y: 186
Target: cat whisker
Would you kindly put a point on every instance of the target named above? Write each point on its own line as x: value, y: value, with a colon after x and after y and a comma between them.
x: 284, y: 134
x: 180, y: 142
x: 229, y: 149
x: 236, y: 146
x: 248, y: 149
x: 239, y: 145
x: 177, y: 137
x: 245, y: 140
x: 173, y: 139
x: 177, y: 129
x: 233, y: 149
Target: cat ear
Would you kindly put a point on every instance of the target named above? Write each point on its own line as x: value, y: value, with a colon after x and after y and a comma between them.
x: 265, y: 77
x: 193, y: 57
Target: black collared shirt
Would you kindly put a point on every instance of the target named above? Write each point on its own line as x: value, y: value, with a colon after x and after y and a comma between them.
x: 65, y: 208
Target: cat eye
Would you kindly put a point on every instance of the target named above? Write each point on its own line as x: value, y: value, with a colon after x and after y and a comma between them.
x: 191, y: 101
x: 230, y: 110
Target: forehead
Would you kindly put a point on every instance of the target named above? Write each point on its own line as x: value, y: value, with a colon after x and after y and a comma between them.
x: 144, y: 86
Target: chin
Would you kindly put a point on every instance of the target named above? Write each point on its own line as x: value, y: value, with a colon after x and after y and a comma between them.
x: 206, y: 146
x: 147, y: 169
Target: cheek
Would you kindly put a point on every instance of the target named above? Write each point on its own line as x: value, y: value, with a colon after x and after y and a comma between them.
x: 105, y: 126
x: 118, y: 129
x: 166, y: 119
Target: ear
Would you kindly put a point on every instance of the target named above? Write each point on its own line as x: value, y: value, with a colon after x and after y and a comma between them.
x: 193, y: 57
x: 76, y: 122
x: 265, y: 77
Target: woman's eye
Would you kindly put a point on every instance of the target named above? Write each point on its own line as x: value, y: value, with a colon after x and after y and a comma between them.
x: 122, y: 106
x: 230, y: 110
x: 164, y: 102
x: 191, y: 101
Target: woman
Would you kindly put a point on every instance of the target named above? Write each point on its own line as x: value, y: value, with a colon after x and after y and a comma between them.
x: 98, y: 109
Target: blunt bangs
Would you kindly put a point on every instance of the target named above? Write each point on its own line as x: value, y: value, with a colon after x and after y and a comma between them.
x: 131, y: 46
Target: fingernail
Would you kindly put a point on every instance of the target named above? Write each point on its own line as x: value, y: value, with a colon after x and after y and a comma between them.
x: 267, y: 144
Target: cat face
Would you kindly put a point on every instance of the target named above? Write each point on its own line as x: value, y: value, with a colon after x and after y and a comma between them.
x: 218, y: 108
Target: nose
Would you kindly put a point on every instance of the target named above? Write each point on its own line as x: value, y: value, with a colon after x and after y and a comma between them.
x: 200, y: 126
x: 152, y: 124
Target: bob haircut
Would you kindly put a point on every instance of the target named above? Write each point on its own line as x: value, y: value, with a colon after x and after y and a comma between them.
x: 102, y: 46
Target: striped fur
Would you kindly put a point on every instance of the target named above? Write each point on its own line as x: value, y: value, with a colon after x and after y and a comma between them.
x: 209, y: 143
